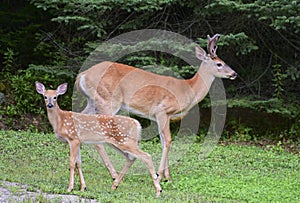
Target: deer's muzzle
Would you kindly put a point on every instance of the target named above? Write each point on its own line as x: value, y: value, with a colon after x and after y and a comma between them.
x: 233, y: 76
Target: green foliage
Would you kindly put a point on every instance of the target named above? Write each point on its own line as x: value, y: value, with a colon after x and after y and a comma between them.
x: 270, y: 106
x: 240, y: 40
x: 159, y: 65
x: 229, y: 174
x: 252, y: 120
x: 160, y: 55
x: 87, y: 15
x: 236, y: 131
x: 23, y: 87
x: 9, y: 57
x: 282, y: 15
x: 8, y: 63
x: 278, y: 80
x: 18, y: 24
x: 293, y: 73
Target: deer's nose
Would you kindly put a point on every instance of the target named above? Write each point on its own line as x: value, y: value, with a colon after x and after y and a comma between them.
x: 233, y: 76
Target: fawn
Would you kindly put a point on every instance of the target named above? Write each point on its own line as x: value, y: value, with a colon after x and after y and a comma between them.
x: 122, y: 132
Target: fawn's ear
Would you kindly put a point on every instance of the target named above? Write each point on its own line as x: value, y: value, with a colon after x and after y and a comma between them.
x: 40, y: 88
x: 61, y: 89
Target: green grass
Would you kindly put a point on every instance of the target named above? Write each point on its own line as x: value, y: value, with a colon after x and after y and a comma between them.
x: 229, y: 174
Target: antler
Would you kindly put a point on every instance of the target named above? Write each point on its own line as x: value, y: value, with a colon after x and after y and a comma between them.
x: 211, y: 46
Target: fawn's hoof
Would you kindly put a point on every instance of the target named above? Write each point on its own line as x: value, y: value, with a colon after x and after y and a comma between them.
x: 168, y: 180
x: 159, y: 177
x: 158, y: 193
x: 114, y: 187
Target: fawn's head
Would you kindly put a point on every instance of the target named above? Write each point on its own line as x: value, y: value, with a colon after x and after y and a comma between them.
x: 211, y: 62
x: 50, y: 96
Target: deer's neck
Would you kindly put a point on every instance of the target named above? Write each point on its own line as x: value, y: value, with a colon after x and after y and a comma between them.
x: 54, y: 116
x: 200, y: 84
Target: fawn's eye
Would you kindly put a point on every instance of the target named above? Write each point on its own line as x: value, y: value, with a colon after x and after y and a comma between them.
x: 45, y: 97
x: 54, y: 97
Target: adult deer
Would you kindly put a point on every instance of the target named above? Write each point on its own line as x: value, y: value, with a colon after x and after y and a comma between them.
x: 123, y: 133
x: 111, y: 86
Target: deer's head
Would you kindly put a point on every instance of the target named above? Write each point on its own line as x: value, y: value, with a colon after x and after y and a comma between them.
x: 50, y: 96
x: 216, y: 66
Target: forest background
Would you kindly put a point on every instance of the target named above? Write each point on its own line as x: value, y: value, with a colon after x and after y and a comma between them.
x: 47, y: 41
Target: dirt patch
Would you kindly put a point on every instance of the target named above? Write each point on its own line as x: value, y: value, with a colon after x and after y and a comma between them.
x: 15, y: 192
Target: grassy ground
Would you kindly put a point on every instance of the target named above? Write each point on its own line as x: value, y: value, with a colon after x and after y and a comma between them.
x: 229, y: 174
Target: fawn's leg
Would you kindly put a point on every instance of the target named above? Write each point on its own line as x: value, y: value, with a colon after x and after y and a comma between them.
x: 147, y: 159
x: 74, y: 146
x: 78, y: 164
x: 129, y: 161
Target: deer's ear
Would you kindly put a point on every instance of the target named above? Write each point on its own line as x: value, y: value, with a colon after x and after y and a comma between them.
x: 61, y: 89
x: 200, y: 53
x: 40, y: 88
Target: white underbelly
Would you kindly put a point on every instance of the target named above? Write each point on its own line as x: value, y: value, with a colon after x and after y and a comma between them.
x: 136, y: 112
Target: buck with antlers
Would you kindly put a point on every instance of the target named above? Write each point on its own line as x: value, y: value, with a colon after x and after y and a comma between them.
x: 111, y: 86
x: 75, y: 128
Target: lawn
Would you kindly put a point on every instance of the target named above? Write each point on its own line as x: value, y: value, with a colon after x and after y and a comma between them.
x: 230, y: 173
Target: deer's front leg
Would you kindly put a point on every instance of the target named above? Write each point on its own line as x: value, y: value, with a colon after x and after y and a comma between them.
x: 106, y: 160
x: 163, y: 122
x: 74, y: 146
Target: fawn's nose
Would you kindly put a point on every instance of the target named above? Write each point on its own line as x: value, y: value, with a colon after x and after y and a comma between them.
x: 50, y: 105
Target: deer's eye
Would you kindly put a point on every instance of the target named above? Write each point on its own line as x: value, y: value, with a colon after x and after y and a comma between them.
x: 45, y: 97
x: 220, y: 65
x: 54, y: 97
